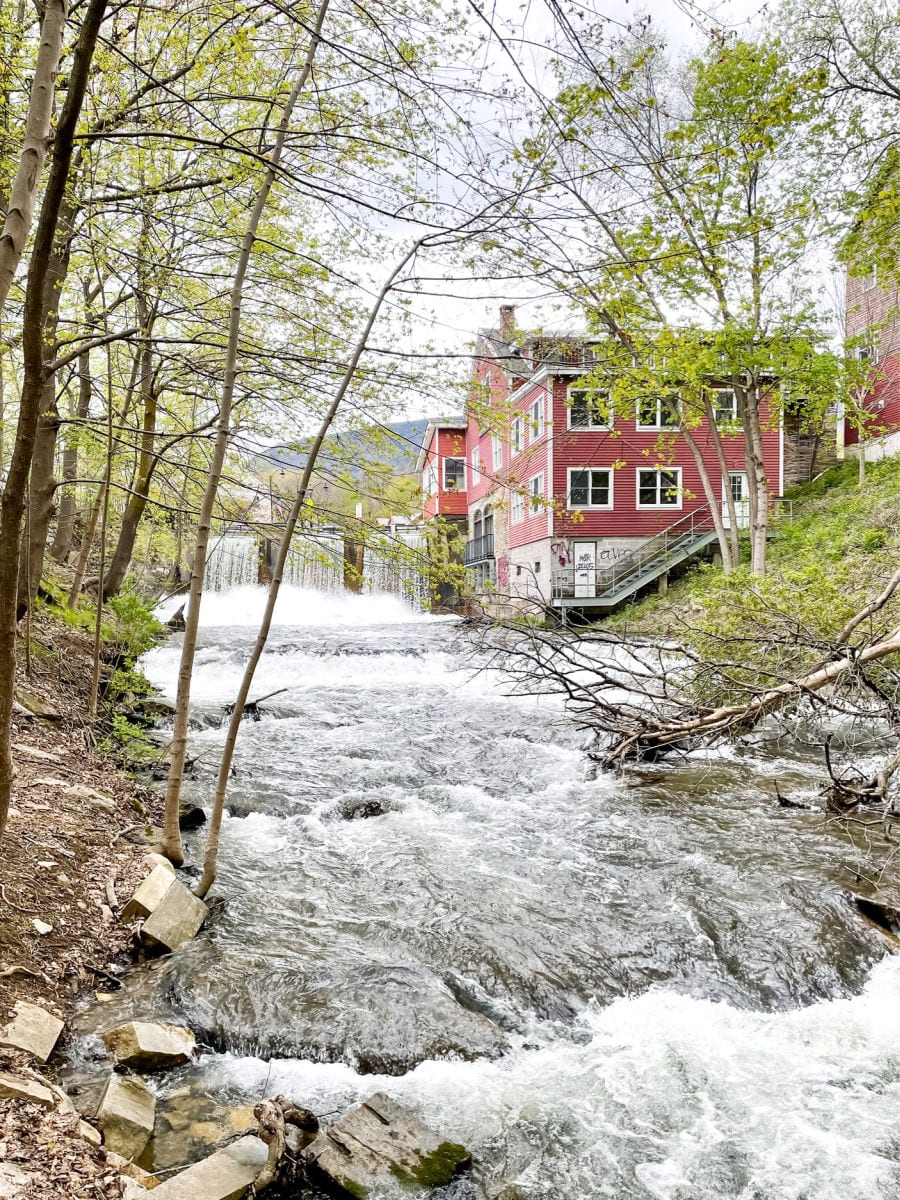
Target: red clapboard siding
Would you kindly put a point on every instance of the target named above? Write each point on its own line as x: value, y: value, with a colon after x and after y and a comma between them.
x: 636, y: 449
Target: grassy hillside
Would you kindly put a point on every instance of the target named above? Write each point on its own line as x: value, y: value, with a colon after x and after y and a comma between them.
x: 843, y: 544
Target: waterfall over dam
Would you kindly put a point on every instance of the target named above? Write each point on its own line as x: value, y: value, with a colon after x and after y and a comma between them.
x: 389, y: 562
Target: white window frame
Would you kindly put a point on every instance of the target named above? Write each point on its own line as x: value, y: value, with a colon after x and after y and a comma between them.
x: 536, y: 423
x: 536, y: 493
x: 870, y: 280
x: 476, y: 465
x: 497, y: 450
x: 517, y: 435
x: 735, y: 418
x: 591, y: 507
x: 453, y: 458
x: 658, y: 507
x: 516, y: 508
x: 868, y: 354
x: 608, y: 424
x: 657, y: 426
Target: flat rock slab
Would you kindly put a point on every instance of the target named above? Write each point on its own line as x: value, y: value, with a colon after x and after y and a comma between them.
x: 17, y: 1087
x: 127, y: 1114
x: 175, y: 920
x: 378, y: 1142
x: 149, y: 894
x: 148, y: 1046
x: 33, y: 1030
x: 225, y: 1175
x: 14, y: 1183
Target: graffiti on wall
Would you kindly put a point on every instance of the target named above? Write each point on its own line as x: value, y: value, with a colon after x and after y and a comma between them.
x: 503, y: 572
x: 561, y: 552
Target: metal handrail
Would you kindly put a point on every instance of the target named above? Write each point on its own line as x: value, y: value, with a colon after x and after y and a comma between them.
x: 478, y: 549
x: 696, y: 523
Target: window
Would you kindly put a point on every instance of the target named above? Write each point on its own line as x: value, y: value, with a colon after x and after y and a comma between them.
x: 497, y: 449
x: 737, y: 483
x: 536, y: 492
x: 659, y: 489
x: 536, y: 419
x: 869, y: 280
x: 476, y: 466
x: 454, y: 474
x: 517, y: 435
x: 867, y: 354
x: 589, y: 409
x: 517, y: 508
x: 653, y: 412
x: 590, y: 488
x: 725, y: 406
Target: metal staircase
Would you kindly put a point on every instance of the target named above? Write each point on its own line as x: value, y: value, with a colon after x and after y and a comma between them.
x: 604, y: 588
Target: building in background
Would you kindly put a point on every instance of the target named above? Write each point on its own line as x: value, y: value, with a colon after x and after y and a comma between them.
x: 565, y: 502
x: 872, y: 326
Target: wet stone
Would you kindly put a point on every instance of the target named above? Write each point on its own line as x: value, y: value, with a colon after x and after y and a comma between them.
x: 148, y: 1046
x: 379, y: 1143
x: 127, y: 1114
x: 225, y: 1175
x: 175, y: 920
x: 33, y: 1030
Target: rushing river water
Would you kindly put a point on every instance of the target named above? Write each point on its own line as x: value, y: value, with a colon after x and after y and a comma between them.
x: 618, y: 987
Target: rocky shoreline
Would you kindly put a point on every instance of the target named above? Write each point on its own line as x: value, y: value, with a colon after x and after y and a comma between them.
x: 83, y: 892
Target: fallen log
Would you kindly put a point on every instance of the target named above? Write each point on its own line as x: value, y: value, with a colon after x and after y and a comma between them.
x: 251, y: 708
x: 273, y: 1117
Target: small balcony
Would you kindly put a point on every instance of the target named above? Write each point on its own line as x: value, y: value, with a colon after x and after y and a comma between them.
x: 479, y: 549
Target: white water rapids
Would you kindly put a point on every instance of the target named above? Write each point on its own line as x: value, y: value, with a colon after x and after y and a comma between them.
x: 626, y: 988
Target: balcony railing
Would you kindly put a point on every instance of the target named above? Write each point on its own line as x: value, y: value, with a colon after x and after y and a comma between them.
x: 478, y: 549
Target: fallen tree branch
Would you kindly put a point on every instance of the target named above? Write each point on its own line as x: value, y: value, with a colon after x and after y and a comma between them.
x: 272, y: 1118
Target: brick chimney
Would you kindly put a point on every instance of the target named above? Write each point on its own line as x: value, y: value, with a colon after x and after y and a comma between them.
x: 507, y: 322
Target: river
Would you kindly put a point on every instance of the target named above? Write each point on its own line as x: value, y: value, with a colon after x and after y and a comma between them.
x: 622, y: 987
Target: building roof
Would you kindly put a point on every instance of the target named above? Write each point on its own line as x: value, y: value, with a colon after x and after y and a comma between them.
x: 434, y: 424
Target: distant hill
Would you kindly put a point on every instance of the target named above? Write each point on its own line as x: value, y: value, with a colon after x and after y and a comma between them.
x: 397, y: 446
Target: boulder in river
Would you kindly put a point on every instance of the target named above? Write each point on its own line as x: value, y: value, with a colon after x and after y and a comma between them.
x: 147, y: 1046
x: 378, y: 1143
x: 175, y: 920
x: 126, y: 1114
x: 356, y: 808
x: 191, y: 816
x: 33, y: 1030
x: 225, y: 1175
x: 885, y: 916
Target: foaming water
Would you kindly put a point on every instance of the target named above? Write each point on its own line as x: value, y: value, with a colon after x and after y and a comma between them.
x: 646, y: 986
x: 243, y: 606
x: 666, y: 1096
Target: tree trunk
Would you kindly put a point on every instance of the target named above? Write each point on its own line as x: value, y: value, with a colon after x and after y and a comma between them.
x: 171, y: 833
x: 24, y: 190
x: 85, y: 552
x: 716, y: 436
x: 65, y: 521
x: 215, y: 824
x: 758, y: 480
x: 12, y: 503
x: 140, y: 490
x: 729, y: 559
x: 42, y: 495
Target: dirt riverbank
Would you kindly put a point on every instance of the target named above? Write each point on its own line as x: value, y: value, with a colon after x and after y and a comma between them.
x: 66, y: 860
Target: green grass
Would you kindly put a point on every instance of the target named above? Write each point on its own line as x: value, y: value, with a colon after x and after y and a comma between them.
x: 843, y: 544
